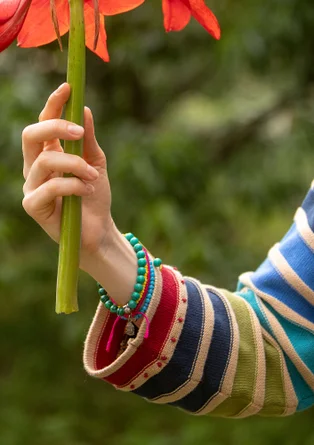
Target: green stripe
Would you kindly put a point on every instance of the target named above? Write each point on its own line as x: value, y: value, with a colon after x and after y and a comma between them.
x: 245, y: 379
x: 275, y: 399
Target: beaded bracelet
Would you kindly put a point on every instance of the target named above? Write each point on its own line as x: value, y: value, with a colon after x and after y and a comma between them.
x: 144, y: 286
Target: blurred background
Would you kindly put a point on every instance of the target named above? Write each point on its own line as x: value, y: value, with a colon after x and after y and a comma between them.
x: 210, y: 151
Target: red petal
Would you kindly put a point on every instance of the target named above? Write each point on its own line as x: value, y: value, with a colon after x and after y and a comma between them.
x: 112, y: 7
x: 12, y: 16
x: 101, y: 49
x: 176, y: 15
x: 38, y: 27
x: 204, y: 16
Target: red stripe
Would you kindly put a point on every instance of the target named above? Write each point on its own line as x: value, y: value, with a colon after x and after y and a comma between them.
x: 149, y: 350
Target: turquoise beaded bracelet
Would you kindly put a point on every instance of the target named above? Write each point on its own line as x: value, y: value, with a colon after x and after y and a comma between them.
x: 139, y: 287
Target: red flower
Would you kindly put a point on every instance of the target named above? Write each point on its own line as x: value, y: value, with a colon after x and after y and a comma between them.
x: 177, y: 14
x: 30, y: 21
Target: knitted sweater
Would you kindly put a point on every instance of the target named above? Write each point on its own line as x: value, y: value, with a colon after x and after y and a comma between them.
x: 213, y: 351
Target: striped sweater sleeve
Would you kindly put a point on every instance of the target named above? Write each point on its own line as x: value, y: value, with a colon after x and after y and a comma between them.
x: 228, y: 354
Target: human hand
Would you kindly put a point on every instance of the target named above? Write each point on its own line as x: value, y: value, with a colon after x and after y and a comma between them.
x: 44, y: 166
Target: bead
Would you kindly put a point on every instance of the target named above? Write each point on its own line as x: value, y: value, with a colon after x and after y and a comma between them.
x: 173, y: 339
x: 157, y: 262
x: 127, y: 311
x: 184, y: 300
x: 104, y: 298
x: 108, y: 304
x: 120, y: 311
x: 132, y: 386
x: 163, y: 357
x: 135, y: 296
x: 141, y: 271
x: 182, y: 281
x: 138, y: 287
x: 159, y: 364
x: 129, y: 236
x: 138, y: 247
x: 133, y: 241
x: 140, y: 254
x: 142, y: 262
x: 132, y: 304
x: 113, y: 309
x: 140, y: 279
x: 102, y: 291
x: 180, y: 319
x: 145, y: 375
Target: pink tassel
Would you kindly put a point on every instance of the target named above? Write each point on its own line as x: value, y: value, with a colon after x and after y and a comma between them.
x: 147, y: 325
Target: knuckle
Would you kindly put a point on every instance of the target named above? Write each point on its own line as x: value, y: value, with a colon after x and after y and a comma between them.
x: 53, y: 186
x: 26, y: 133
x: 27, y: 205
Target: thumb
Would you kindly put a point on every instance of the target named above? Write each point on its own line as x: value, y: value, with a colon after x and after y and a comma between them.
x: 93, y: 154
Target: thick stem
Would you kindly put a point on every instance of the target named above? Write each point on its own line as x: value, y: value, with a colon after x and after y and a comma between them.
x: 70, y: 237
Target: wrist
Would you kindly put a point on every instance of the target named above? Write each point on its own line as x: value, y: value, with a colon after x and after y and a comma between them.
x: 113, y: 265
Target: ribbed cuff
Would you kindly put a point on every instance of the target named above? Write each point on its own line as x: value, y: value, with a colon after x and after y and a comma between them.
x: 144, y: 357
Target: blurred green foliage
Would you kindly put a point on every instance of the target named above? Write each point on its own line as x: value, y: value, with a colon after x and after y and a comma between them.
x: 210, y: 151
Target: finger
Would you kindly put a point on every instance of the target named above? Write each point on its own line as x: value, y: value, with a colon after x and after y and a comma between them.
x: 54, y: 105
x: 51, y: 162
x: 93, y: 154
x: 35, y: 135
x: 40, y: 203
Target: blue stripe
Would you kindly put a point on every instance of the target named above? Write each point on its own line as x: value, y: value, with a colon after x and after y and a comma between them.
x: 303, y: 391
x: 308, y: 206
x: 299, y: 256
x: 216, y: 361
x: 301, y: 339
x: 268, y: 280
x: 182, y: 363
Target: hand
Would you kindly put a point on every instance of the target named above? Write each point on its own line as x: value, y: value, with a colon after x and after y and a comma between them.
x: 44, y: 165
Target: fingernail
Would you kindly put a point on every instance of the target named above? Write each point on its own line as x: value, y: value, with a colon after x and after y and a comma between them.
x: 90, y: 188
x: 60, y: 88
x: 92, y: 172
x: 76, y: 130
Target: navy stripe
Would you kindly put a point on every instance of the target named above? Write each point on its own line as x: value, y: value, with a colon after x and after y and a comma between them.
x: 181, y: 364
x: 216, y: 361
x: 268, y: 280
x: 308, y: 206
x: 298, y: 255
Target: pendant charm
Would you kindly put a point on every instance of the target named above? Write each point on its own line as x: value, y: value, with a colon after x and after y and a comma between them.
x: 129, y: 329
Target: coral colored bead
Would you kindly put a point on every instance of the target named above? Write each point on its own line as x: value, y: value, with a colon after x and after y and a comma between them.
x: 182, y: 281
x: 173, y: 340
x: 180, y: 320
x: 163, y: 357
x: 184, y: 300
x: 159, y: 364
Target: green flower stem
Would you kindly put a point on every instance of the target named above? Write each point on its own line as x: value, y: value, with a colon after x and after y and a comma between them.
x: 71, y: 222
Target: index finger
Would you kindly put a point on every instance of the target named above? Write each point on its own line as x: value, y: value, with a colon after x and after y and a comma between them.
x: 55, y: 103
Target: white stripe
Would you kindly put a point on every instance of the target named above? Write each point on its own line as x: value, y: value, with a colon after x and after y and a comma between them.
x: 289, y: 275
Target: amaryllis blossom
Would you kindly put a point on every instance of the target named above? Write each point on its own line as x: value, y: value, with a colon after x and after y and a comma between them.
x: 38, y: 22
